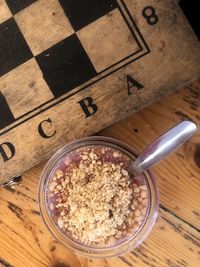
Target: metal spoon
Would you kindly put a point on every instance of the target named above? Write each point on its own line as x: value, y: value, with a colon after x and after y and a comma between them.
x: 162, y: 147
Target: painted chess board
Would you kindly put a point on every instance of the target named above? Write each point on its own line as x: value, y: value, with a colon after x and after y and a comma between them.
x: 68, y: 68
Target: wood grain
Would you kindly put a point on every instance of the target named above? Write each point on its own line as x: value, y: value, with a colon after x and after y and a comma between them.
x: 175, y: 239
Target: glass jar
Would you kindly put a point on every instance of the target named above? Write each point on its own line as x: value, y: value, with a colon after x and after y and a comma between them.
x: 78, y: 247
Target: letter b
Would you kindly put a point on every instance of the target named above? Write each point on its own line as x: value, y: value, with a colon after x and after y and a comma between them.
x: 88, y: 106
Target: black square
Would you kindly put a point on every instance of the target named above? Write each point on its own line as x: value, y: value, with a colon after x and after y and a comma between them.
x: 13, y: 47
x: 82, y: 12
x: 6, y: 116
x: 65, y: 66
x: 17, y: 5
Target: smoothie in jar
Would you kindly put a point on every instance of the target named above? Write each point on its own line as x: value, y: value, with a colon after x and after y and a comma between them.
x: 92, y: 199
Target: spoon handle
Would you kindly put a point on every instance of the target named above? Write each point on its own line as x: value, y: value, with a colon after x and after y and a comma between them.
x: 163, y: 146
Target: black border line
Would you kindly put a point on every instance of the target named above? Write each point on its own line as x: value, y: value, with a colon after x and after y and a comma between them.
x: 136, y: 27
x: 127, y: 23
x: 100, y: 78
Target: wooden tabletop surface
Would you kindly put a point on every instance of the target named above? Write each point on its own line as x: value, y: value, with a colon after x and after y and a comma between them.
x: 175, y: 238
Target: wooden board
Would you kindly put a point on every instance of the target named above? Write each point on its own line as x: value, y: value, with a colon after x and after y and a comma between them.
x: 175, y: 239
x: 71, y: 68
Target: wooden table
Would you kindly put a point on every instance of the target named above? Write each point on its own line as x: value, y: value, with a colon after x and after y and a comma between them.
x: 175, y: 239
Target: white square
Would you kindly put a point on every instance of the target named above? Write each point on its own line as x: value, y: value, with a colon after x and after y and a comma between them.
x: 108, y: 40
x: 43, y: 24
x: 24, y: 88
x: 5, y: 13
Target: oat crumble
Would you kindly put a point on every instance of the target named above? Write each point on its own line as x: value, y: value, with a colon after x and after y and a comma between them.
x: 95, y: 200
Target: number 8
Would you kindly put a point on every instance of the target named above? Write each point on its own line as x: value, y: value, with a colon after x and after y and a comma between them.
x: 151, y: 18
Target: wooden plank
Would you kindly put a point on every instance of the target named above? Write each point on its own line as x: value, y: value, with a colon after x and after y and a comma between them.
x: 178, y: 176
x: 120, y: 57
x: 25, y: 241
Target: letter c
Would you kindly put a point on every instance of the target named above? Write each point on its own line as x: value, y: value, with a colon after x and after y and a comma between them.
x: 41, y: 129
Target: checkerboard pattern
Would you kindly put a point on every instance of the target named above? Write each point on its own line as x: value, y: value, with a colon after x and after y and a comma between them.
x: 50, y: 47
